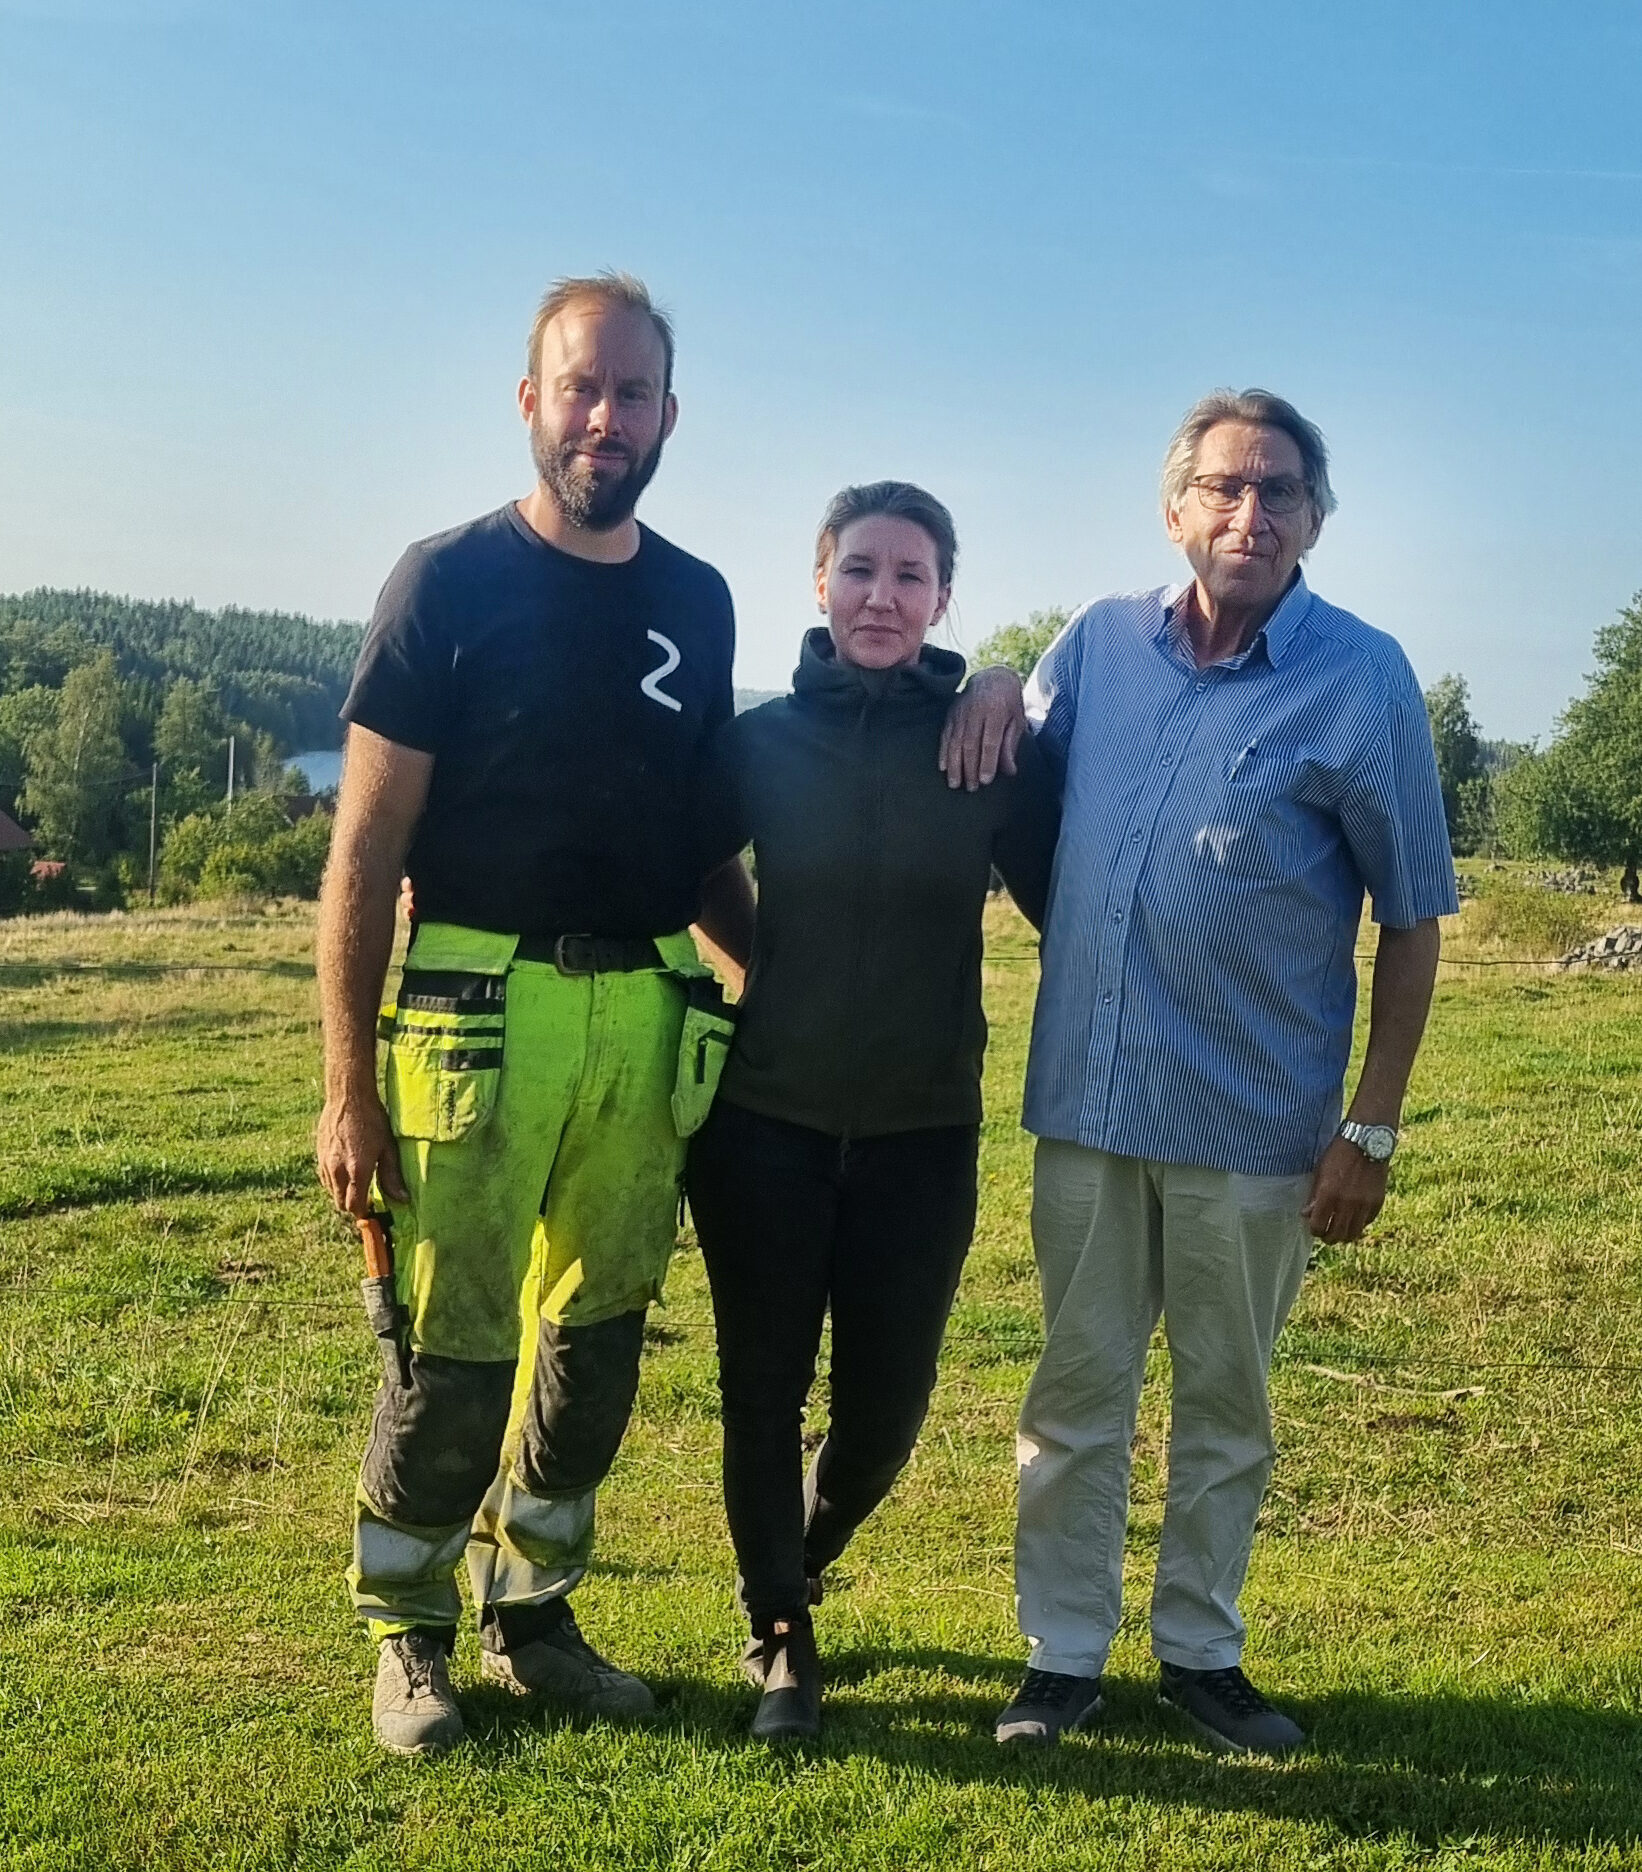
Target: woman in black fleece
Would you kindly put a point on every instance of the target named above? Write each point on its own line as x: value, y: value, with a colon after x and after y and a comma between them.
x: 837, y: 1168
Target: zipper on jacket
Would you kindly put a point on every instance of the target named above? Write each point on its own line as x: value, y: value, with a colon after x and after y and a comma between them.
x: 867, y: 802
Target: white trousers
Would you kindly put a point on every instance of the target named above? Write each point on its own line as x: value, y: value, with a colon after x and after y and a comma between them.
x: 1220, y: 1256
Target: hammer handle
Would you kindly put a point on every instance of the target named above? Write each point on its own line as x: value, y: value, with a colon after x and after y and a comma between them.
x: 378, y: 1255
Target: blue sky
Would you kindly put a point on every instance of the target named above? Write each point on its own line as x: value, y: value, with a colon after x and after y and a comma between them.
x: 265, y: 273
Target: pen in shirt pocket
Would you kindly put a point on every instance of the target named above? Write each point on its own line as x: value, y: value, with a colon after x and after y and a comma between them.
x: 1250, y: 749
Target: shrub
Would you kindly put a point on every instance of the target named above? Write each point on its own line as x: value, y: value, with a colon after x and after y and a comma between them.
x: 294, y: 860
x: 1538, y: 923
x: 14, y: 881
x: 256, y: 853
x: 232, y: 870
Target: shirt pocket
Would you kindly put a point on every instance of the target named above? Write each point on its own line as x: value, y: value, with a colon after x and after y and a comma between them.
x: 445, y: 1038
x: 1253, y: 826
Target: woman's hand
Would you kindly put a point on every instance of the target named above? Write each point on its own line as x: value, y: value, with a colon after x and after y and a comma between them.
x: 983, y: 728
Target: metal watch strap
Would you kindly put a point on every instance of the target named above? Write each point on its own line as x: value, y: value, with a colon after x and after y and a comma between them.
x: 1361, y: 1135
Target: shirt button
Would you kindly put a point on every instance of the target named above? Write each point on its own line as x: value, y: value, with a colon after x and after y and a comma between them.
x: 1134, y: 836
x: 1107, y: 997
x: 1202, y: 685
x: 1117, y: 916
x: 1167, y: 759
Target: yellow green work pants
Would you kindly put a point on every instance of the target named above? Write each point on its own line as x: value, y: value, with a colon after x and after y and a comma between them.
x: 539, y: 1146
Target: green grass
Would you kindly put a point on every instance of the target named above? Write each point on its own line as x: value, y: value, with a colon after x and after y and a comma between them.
x: 1447, y: 1588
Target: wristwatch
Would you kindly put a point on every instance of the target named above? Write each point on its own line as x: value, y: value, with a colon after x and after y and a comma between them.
x: 1376, y: 1142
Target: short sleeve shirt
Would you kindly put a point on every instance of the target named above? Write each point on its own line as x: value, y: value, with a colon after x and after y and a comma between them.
x: 1220, y: 827
x: 568, y: 706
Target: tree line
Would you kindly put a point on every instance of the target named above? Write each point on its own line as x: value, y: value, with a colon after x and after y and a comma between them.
x: 97, y: 692
x: 120, y: 718
x: 1578, y: 799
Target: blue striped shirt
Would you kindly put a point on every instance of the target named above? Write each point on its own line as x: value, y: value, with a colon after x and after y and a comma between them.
x: 1220, y: 828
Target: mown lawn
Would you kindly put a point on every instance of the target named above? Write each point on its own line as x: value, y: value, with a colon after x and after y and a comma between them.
x: 1448, y: 1587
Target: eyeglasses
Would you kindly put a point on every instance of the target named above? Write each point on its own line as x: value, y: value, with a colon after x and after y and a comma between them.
x: 1279, y: 494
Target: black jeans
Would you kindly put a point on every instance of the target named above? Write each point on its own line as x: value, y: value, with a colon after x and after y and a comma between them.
x: 791, y: 1222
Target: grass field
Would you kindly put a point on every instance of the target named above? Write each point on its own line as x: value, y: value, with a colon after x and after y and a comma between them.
x: 1447, y: 1589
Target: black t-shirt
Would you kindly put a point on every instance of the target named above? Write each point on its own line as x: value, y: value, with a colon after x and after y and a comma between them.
x: 568, y: 706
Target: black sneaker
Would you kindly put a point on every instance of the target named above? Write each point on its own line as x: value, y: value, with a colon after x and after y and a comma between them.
x: 1227, y: 1711
x: 1047, y: 1705
x: 790, y: 1708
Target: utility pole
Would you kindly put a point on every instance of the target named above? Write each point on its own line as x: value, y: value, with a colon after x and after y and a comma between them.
x: 230, y: 813
x: 153, y: 825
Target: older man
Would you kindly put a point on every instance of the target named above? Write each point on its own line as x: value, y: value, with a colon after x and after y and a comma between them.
x: 1242, y: 761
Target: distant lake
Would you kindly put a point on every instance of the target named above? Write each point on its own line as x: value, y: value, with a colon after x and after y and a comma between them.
x: 320, y: 767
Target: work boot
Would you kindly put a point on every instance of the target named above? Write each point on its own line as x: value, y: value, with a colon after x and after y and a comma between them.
x: 1048, y: 1705
x: 790, y: 1676
x: 1227, y: 1711
x: 539, y: 1651
x: 413, y: 1711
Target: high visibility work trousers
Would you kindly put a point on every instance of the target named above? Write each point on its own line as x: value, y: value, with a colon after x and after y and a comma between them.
x: 1221, y: 1256
x: 538, y: 1145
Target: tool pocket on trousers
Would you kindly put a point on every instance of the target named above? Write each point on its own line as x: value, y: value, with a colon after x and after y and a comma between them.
x: 444, y: 1065
x: 704, y: 1046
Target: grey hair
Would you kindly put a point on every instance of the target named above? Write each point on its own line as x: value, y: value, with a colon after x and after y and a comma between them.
x: 1248, y: 406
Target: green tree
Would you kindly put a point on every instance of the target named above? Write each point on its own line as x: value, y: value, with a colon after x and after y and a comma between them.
x: 23, y: 715
x: 1020, y: 645
x: 1460, y: 764
x: 1582, y: 798
x: 77, y: 767
x: 191, y: 745
x: 190, y: 735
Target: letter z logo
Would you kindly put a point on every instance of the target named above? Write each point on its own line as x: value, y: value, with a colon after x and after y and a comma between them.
x: 670, y: 662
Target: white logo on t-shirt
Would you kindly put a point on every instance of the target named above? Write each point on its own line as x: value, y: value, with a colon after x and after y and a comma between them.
x: 652, y: 683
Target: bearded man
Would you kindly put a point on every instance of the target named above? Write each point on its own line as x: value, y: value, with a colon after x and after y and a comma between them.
x: 530, y: 707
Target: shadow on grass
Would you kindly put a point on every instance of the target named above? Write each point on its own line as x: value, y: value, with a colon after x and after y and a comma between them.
x: 35, y: 974
x: 55, y: 1037
x: 1428, y: 1769
x: 148, y: 1179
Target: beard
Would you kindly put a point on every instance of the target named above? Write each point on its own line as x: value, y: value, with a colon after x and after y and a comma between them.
x: 596, y: 498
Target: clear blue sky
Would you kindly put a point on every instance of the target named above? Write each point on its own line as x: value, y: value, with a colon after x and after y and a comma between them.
x: 265, y: 272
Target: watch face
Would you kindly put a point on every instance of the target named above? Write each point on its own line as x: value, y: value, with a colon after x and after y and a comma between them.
x: 1378, y: 1142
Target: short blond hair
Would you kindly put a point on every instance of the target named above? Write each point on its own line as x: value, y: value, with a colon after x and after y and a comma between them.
x: 608, y: 288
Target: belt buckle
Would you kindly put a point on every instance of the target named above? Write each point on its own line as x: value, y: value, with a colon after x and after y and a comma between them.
x: 560, y: 956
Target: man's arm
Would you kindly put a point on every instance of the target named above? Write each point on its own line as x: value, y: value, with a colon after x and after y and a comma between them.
x: 1348, y: 1190
x: 384, y: 789
x: 728, y: 911
x: 983, y: 728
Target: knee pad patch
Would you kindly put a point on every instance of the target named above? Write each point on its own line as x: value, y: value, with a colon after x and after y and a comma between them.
x: 435, y: 1443
x: 581, y: 1398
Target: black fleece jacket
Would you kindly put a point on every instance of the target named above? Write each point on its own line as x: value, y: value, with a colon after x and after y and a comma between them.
x: 862, y: 1013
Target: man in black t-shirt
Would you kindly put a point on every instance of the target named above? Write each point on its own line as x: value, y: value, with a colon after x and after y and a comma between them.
x: 527, y: 720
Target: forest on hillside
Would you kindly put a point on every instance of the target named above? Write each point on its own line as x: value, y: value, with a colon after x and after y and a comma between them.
x: 275, y: 673
x: 119, y: 721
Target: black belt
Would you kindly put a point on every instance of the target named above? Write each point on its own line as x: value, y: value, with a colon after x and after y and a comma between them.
x: 591, y: 955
